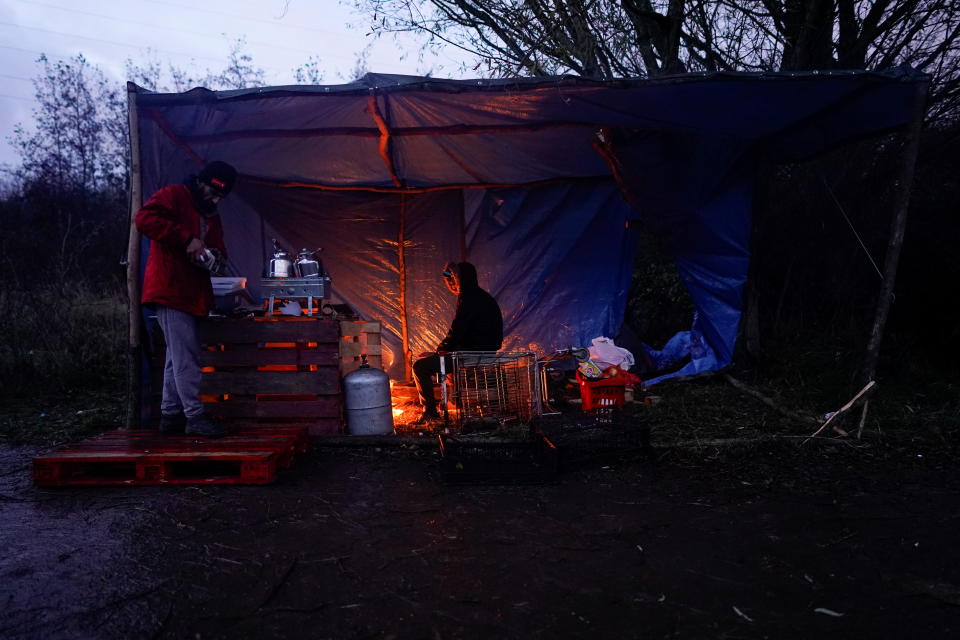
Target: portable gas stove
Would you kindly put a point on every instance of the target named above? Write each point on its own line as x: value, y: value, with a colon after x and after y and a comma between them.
x: 295, y: 289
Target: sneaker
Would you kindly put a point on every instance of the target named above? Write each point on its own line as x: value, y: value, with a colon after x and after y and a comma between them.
x: 172, y: 424
x: 204, y: 426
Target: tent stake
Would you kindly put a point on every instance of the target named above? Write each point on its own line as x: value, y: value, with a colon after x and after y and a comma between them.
x: 133, y: 267
x: 898, y: 224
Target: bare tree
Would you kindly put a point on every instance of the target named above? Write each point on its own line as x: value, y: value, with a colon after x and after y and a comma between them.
x: 72, y: 164
x: 75, y: 143
x: 643, y: 38
x: 67, y: 199
x: 308, y: 72
x: 239, y: 73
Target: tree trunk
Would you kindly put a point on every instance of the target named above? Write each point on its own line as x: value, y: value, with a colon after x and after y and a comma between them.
x: 911, y: 149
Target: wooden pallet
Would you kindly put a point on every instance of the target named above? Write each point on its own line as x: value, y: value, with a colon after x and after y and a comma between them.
x: 251, y: 456
x: 284, y: 443
x: 268, y: 372
x: 359, y: 338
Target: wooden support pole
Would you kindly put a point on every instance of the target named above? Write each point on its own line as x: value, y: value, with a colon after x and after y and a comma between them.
x: 462, y: 229
x: 402, y: 266
x: 134, y: 346
x: 897, y: 226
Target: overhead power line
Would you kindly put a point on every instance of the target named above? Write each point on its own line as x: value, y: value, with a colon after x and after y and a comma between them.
x: 151, y: 25
x: 101, y: 40
x: 237, y: 17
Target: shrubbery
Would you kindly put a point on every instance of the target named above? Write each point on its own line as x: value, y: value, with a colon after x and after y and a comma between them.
x: 58, y: 341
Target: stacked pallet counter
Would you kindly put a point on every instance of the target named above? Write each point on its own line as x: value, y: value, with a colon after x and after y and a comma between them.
x: 359, y: 338
x: 263, y: 371
x: 272, y: 370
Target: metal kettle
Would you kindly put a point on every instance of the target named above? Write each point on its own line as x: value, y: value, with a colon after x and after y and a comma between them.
x: 307, y: 265
x: 280, y: 265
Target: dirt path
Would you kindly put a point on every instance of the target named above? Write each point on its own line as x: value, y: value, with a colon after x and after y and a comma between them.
x: 766, y: 541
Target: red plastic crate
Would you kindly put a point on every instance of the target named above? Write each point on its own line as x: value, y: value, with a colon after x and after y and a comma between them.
x: 606, y: 392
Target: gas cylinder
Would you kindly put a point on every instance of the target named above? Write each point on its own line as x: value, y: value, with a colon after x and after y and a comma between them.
x: 367, y: 395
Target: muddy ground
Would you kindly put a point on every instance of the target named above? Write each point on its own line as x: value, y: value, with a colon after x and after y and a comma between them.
x: 764, y: 540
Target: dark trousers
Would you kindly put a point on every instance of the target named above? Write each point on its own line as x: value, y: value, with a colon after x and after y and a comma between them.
x: 423, y: 371
x: 181, y: 371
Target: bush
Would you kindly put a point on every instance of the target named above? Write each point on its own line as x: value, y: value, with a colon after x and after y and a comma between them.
x: 61, y: 340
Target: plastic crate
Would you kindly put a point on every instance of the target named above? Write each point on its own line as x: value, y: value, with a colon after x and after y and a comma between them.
x: 469, y: 459
x: 602, y: 393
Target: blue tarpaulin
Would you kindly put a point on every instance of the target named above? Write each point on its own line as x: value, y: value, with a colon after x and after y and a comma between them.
x: 536, y: 181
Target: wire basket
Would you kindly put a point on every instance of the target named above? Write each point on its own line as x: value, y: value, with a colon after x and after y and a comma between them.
x: 493, y: 389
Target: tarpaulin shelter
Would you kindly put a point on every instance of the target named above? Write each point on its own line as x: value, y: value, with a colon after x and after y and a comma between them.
x: 534, y: 180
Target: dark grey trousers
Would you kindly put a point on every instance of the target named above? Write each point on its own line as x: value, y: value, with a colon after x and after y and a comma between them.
x: 424, y: 370
x: 181, y: 371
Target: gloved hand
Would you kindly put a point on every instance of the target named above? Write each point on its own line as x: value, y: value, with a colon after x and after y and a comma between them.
x: 195, y: 248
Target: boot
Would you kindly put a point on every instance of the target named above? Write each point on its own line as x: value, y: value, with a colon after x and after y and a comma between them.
x: 204, y: 426
x: 172, y: 424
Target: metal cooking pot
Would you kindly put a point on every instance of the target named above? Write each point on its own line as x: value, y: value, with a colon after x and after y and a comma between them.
x: 280, y: 265
x: 307, y: 265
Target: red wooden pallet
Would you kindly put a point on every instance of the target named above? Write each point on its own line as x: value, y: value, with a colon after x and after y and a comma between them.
x: 148, y: 458
x: 286, y: 439
x: 149, y: 442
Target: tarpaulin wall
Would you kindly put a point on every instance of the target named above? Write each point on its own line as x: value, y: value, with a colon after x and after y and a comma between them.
x: 512, y: 175
x: 556, y: 258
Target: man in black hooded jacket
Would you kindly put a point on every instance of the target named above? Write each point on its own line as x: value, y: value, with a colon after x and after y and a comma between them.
x: 477, y: 326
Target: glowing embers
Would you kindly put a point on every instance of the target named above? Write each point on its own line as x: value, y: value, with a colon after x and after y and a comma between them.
x: 406, y: 405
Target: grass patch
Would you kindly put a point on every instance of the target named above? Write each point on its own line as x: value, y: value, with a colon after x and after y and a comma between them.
x: 62, y: 363
x: 57, y: 420
x: 917, y: 403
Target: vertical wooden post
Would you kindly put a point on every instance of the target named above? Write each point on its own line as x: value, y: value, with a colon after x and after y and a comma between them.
x: 911, y: 150
x: 134, y: 350
x: 402, y: 261
x: 462, y: 229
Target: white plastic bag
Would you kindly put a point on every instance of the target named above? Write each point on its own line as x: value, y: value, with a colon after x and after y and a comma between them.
x: 605, y: 354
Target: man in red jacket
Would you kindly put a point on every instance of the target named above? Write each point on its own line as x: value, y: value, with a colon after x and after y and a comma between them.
x: 182, y: 222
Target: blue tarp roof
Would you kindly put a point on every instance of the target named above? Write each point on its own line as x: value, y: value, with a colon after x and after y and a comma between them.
x: 530, y: 179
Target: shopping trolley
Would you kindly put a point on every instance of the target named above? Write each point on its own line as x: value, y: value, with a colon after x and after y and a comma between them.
x: 491, y: 388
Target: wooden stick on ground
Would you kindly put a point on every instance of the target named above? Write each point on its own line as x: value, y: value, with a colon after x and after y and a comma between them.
x: 767, y: 401
x: 844, y: 408
x: 863, y: 418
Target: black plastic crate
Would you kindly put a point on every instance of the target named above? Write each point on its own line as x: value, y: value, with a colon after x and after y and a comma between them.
x: 472, y: 459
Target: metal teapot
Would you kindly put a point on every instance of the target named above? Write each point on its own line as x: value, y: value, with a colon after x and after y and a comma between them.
x: 307, y: 265
x: 280, y: 265
x: 211, y: 260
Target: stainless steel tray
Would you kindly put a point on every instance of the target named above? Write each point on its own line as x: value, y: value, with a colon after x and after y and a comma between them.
x: 295, y: 287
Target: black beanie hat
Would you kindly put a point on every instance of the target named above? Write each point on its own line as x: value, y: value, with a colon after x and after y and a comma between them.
x: 219, y: 175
